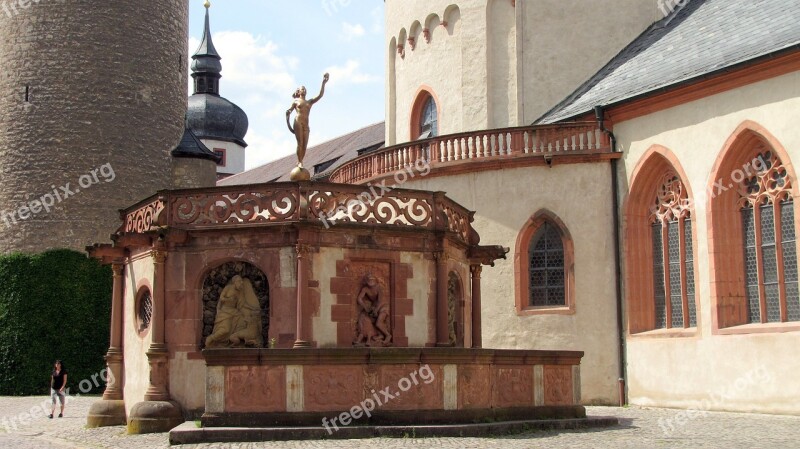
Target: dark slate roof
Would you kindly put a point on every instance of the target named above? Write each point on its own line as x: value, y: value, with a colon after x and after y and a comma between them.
x: 703, y: 37
x: 209, y: 115
x: 342, y: 149
x: 191, y: 146
x: 217, y: 118
x: 206, y: 47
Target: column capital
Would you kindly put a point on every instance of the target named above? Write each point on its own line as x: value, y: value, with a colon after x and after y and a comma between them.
x: 303, y: 249
x: 476, y: 270
x: 117, y: 269
x: 159, y: 256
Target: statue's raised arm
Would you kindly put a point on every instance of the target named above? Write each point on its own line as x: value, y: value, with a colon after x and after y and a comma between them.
x: 325, y: 79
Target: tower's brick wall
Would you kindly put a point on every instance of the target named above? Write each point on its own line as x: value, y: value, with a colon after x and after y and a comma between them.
x: 106, y: 87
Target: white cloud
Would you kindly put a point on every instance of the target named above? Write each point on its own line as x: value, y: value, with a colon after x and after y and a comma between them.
x: 351, y: 73
x: 350, y: 31
x: 377, y: 20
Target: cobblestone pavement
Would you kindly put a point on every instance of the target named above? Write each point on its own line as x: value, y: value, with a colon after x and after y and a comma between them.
x: 640, y: 428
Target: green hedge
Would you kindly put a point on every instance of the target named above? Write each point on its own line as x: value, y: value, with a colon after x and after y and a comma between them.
x: 53, y: 305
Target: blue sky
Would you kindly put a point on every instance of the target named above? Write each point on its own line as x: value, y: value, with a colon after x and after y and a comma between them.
x: 271, y: 47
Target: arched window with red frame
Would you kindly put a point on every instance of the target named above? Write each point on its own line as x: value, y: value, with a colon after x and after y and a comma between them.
x: 753, y: 234
x: 659, y: 238
x: 425, y: 115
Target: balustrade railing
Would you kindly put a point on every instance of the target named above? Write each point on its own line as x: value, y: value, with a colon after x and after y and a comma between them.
x: 573, y: 138
x: 275, y: 203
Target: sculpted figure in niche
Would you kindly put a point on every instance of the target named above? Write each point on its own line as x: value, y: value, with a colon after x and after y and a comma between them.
x: 373, y: 315
x: 238, y: 320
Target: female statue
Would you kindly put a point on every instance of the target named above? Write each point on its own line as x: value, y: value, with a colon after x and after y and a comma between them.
x: 303, y: 108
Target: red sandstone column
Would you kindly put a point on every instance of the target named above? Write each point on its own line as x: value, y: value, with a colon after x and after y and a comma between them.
x: 157, y: 355
x: 442, y: 331
x: 302, y: 338
x: 114, y: 355
x: 476, y: 305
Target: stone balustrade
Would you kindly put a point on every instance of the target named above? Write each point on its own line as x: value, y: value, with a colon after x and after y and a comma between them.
x: 494, y: 144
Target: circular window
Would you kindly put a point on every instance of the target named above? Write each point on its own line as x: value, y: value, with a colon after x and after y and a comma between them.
x: 144, y: 310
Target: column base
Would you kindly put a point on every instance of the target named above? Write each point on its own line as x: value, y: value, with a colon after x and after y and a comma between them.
x: 154, y: 417
x: 301, y: 344
x: 106, y: 412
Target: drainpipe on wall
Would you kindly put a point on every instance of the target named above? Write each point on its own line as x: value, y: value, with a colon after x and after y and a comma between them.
x: 599, y: 116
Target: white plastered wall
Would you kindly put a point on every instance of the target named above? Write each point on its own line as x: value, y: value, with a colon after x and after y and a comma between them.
x: 137, y: 368
x: 752, y: 372
x: 580, y: 195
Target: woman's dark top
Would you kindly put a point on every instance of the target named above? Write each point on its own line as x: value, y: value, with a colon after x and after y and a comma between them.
x: 58, y: 379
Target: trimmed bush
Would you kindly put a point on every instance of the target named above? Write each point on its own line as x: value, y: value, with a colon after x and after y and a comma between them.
x: 53, y: 305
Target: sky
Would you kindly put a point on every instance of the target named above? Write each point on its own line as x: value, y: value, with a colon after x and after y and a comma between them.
x: 270, y: 47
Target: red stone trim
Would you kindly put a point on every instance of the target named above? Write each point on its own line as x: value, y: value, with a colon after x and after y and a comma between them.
x: 506, y: 163
x: 521, y: 266
x: 667, y: 333
x: 357, y: 356
x: 638, y: 251
x: 343, y: 289
x: 707, y: 87
x: 726, y: 264
x: 223, y: 162
x: 759, y: 328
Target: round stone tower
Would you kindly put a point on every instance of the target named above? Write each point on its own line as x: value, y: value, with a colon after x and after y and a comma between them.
x: 92, y: 99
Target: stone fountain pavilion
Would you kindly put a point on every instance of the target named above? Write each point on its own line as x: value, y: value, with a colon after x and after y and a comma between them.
x: 282, y: 304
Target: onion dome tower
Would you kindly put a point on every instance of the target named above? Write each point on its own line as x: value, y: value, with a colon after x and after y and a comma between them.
x: 92, y: 100
x: 219, y: 123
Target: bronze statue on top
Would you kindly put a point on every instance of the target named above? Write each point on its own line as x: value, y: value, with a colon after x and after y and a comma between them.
x: 301, y: 129
x: 373, y: 315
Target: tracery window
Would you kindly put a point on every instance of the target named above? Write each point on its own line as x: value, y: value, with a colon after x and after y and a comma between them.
x: 673, y: 261
x: 768, y: 239
x: 546, y: 267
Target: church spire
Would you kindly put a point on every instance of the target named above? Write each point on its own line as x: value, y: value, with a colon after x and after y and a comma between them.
x: 206, y: 65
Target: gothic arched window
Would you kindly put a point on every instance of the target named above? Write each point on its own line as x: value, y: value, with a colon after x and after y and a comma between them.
x: 768, y: 240
x: 673, y: 264
x: 546, y: 268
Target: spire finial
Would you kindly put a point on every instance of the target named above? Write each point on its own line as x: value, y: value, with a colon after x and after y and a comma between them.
x: 207, y: 4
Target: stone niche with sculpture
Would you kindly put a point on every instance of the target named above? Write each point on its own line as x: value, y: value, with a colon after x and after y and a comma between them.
x: 283, y: 303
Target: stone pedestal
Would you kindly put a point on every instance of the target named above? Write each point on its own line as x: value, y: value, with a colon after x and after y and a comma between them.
x: 157, y: 413
x: 155, y: 417
x: 105, y: 413
x: 110, y: 411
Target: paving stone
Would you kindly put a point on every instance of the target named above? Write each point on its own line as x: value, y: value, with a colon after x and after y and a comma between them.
x: 640, y: 428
